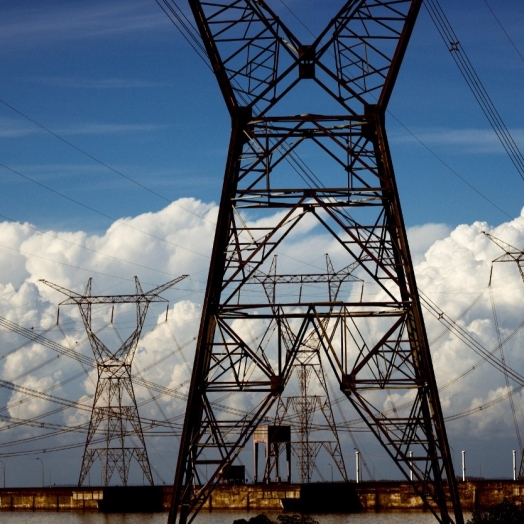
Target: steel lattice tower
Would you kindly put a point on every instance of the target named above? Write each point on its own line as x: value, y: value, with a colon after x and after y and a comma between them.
x: 308, y: 364
x: 305, y: 407
x: 115, y: 434
x: 511, y: 254
x: 247, y: 345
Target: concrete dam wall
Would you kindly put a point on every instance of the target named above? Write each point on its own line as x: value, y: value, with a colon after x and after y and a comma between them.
x: 365, y: 496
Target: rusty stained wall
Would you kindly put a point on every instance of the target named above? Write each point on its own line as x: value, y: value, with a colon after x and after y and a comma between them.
x: 251, y: 497
x: 374, y: 496
x: 49, y: 499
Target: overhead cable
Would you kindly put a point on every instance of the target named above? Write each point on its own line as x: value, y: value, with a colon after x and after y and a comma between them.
x: 101, y: 213
x: 185, y: 27
x: 474, y: 83
x: 470, y: 341
x: 98, y: 161
x: 503, y: 359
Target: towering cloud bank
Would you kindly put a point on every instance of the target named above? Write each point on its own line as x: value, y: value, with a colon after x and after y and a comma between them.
x: 453, y: 273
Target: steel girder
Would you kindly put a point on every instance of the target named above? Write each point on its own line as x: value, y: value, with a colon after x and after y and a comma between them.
x: 374, y: 341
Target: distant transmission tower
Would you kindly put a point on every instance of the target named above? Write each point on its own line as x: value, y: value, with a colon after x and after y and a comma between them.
x: 308, y: 408
x: 115, y: 435
x: 511, y: 254
x: 324, y: 99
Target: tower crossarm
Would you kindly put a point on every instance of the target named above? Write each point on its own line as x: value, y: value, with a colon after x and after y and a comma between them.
x: 163, y: 287
x: 258, y: 60
x: 343, y: 275
x: 149, y: 296
x: 63, y: 290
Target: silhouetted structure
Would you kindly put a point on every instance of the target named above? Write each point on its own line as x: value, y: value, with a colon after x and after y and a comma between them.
x: 272, y: 437
x: 373, y: 341
x: 511, y: 254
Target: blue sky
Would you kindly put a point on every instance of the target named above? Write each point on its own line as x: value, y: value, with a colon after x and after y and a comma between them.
x: 122, y: 84
x: 118, y: 81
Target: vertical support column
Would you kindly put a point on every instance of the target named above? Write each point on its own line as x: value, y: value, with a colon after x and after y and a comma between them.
x: 276, y: 447
x: 288, y: 461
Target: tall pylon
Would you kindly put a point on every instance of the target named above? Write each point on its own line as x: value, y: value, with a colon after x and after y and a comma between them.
x: 308, y: 408
x: 511, y: 254
x: 115, y: 434
x: 309, y: 153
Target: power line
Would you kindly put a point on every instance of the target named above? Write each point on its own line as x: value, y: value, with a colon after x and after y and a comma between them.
x: 471, y: 186
x: 474, y: 83
x: 346, y: 424
x: 91, y: 271
x: 469, y: 340
x: 448, y: 166
x: 445, y: 164
x: 185, y: 27
x: 100, y: 162
x: 49, y: 234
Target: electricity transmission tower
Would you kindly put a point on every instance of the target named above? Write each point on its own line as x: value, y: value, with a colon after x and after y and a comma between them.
x: 304, y: 407
x: 115, y: 434
x: 324, y: 100
x: 511, y: 254
x: 308, y: 408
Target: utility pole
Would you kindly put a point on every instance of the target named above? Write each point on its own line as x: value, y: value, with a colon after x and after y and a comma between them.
x: 115, y: 434
x: 43, y: 470
x: 246, y: 347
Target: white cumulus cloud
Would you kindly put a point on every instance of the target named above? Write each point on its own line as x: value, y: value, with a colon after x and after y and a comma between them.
x: 452, y: 269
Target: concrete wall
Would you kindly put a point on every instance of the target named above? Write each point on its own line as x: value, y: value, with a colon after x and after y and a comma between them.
x: 49, y: 499
x: 387, y: 496
x: 374, y: 496
x: 474, y: 494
